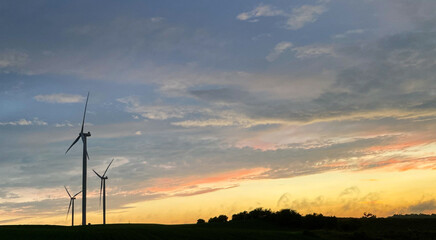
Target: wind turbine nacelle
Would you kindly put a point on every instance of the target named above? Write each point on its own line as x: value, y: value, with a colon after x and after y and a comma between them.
x: 88, y: 134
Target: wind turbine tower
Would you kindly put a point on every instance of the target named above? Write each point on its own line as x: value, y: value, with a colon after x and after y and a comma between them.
x: 72, y: 198
x: 83, y: 136
x: 103, y: 179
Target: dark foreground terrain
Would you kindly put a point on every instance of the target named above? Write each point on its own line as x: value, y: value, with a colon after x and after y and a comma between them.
x: 347, y: 229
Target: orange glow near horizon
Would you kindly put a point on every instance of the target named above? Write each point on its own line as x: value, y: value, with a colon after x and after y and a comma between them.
x: 376, y: 191
x: 399, y: 180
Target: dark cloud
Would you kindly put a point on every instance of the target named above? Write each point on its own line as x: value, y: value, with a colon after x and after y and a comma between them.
x: 46, y: 206
x: 8, y: 195
x: 221, y: 95
x: 423, y: 206
x: 396, y: 72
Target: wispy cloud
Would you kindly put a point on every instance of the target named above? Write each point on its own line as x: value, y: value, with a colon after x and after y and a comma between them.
x: 59, y: 98
x: 227, y: 119
x: 312, y: 51
x: 423, y: 206
x: 303, y: 15
x: 181, y: 184
x: 261, y: 11
x: 278, y: 50
x: 24, y: 122
x: 12, y: 58
x: 296, y: 19
x: 64, y: 124
x: 163, y: 112
x: 350, y: 32
x: 303, y: 52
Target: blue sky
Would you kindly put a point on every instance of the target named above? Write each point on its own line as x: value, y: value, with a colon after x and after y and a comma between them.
x: 262, y: 90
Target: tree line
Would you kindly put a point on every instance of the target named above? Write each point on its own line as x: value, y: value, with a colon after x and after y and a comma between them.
x: 285, y: 217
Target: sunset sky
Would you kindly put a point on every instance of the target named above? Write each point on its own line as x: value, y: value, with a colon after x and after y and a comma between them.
x: 216, y: 107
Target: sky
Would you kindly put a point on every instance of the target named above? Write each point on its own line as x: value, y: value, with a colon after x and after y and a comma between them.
x: 216, y: 107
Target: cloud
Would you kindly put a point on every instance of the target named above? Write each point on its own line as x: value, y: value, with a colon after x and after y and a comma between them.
x: 350, y: 32
x: 13, y: 220
x: 12, y: 58
x: 291, y: 120
x: 303, y: 52
x: 183, y: 185
x: 296, y: 19
x: 24, y: 122
x: 64, y: 124
x: 261, y: 11
x: 202, y: 191
x: 157, y: 19
x: 303, y: 15
x: 8, y: 195
x: 227, y: 119
x: 220, y: 94
x: 423, y: 206
x: 60, y: 98
x: 278, y: 50
x: 133, y: 105
x: 312, y: 51
x: 350, y: 191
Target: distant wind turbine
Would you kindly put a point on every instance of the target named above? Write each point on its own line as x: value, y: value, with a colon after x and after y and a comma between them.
x: 85, y: 156
x: 103, y: 186
x: 72, y: 198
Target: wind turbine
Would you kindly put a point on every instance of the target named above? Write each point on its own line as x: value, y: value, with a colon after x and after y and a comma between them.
x: 72, y: 198
x: 83, y: 136
x: 103, y: 186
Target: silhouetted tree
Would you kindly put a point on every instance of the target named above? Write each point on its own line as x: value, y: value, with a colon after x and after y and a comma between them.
x: 288, y: 218
x: 242, y: 216
x: 368, y: 215
x: 200, y: 221
x: 219, y: 219
x: 259, y: 213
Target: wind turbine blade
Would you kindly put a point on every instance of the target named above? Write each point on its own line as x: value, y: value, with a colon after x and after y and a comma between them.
x: 84, y: 113
x: 108, y: 167
x: 101, y: 187
x: 87, y: 154
x: 77, y: 139
x: 97, y: 173
x: 69, y: 206
x: 77, y: 194
x: 67, y: 191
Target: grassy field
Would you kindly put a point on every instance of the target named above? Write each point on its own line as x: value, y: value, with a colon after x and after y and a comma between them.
x: 354, y: 229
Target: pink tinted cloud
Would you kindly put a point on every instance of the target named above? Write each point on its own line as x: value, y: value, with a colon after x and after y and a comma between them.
x: 178, y: 184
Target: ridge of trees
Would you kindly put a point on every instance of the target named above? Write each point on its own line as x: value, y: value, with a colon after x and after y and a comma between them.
x: 289, y: 218
x: 285, y: 217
